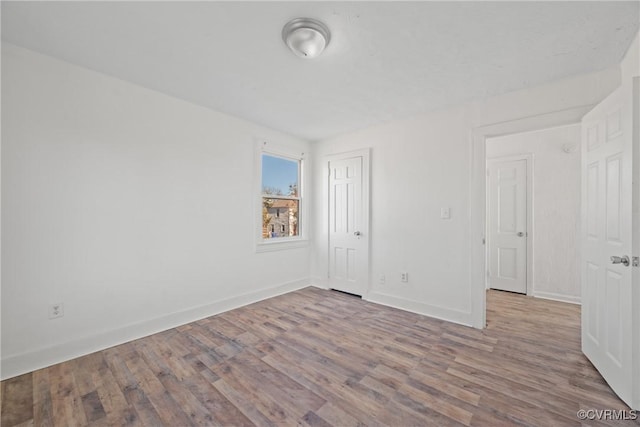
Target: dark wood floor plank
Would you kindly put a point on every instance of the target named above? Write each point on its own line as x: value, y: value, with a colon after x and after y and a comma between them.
x: 244, y: 383
x: 220, y: 408
x: 276, y: 380
x: 443, y: 386
x: 42, y: 407
x: 66, y: 400
x: 319, y: 358
x: 168, y: 344
x: 435, y: 402
x: 324, y: 383
x: 130, y: 387
x: 243, y: 403
x: 17, y: 403
x: 414, y: 405
x: 311, y: 419
x: 223, y: 326
x: 334, y: 415
x: 93, y: 407
x: 163, y: 402
x: 113, y: 400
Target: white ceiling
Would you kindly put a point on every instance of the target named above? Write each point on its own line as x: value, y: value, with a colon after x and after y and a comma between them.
x: 386, y: 60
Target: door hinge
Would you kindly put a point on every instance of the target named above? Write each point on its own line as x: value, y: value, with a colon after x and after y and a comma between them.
x: 635, y: 261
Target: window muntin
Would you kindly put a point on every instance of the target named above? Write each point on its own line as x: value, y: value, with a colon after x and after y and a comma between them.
x: 280, y: 183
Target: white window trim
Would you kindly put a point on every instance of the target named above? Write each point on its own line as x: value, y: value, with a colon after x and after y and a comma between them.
x: 264, y: 146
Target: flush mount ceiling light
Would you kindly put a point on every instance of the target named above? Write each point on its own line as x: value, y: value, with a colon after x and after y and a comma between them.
x: 306, y: 37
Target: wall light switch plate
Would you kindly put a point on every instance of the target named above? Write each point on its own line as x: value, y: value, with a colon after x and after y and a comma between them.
x: 445, y: 213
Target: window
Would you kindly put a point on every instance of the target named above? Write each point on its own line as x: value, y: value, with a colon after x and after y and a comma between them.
x: 280, y: 196
x: 280, y: 183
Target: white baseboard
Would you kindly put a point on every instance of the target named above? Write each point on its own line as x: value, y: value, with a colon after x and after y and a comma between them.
x: 442, y: 313
x: 320, y: 282
x: 41, y: 358
x: 558, y: 297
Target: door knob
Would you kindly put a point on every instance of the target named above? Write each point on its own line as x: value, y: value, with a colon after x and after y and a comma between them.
x: 624, y: 260
x: 520, y: 234
x: 357, y: 233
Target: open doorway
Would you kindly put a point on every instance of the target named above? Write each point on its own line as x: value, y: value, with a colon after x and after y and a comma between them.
x: 533, y: 211
x: 477, y: 201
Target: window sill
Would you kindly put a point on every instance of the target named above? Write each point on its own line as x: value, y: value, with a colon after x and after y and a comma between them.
x: 281, y: 245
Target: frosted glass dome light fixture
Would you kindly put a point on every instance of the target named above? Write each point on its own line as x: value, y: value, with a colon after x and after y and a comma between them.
x: 306, y: 37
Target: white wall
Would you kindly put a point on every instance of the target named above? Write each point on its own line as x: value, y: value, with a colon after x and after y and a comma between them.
x: 420, y: 165
x: 556, y: 206
x: 134, y: 209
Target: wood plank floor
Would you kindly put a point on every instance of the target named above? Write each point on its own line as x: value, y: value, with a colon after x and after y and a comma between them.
x: 319, y: 358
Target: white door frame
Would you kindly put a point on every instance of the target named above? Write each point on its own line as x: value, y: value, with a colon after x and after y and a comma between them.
x: 478, y: 193
x: 528, y: 158
x: 366, y: 205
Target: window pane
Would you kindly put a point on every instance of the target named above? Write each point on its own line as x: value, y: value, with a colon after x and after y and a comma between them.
x: 279, y: 176
x: 283, y: 225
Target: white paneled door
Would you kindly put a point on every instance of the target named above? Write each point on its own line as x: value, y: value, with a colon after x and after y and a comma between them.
x: 508, y: 225
x: 348, y: 224
x: 607, y: 327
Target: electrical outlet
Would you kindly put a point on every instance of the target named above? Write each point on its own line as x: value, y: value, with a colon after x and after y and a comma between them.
x: 404, y: 277
x: 382, y: 279
x: 56, y: 310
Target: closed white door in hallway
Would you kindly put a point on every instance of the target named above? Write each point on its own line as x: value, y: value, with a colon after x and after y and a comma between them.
x: 507, y: 222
